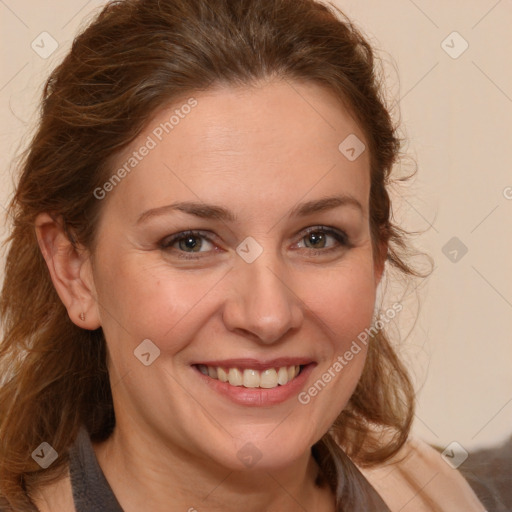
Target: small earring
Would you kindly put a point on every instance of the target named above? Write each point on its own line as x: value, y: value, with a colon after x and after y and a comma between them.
x: 82, y: 316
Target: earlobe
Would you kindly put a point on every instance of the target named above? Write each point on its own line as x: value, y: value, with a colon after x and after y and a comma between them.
x: 66, y: 264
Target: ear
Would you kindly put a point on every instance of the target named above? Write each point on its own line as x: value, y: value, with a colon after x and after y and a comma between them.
x: 71, y: 271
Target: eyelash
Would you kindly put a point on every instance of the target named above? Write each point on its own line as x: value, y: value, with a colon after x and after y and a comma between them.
x: 340, y: 236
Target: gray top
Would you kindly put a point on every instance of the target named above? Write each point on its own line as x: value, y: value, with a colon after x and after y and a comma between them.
x: 92, y: 492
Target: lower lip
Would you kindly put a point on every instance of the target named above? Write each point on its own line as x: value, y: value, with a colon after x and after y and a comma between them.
x: 258, y: 397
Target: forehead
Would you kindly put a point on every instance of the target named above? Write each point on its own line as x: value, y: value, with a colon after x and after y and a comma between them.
x: 275, y: 143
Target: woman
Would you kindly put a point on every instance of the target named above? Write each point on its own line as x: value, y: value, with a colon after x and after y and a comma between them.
x: 200, y: 228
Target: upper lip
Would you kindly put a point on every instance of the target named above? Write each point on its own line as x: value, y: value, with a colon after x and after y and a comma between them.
x: 257, y: 364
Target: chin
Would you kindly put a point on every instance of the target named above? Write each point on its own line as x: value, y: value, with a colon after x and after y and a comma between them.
x: 265, y: 453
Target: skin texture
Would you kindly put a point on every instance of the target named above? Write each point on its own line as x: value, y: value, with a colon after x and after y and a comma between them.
x: 258, y: 152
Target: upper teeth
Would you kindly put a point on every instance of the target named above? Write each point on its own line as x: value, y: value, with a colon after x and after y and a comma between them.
x: 269, y: 378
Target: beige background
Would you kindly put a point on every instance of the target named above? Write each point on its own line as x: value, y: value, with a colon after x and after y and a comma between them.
x: 457, y: 115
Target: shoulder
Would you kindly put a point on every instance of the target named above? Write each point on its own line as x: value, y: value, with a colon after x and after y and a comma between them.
x: 46, y: 498
x: 55, y: 496
x: 418, y: 479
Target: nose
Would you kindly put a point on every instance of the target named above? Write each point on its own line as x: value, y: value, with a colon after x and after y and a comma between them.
x: 261, y: 303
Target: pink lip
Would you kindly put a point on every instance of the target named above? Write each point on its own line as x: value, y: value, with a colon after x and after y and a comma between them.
x: 257, y: 364
x: 257, y: 397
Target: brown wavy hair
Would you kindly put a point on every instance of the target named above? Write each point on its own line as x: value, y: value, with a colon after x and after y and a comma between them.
x: 134, y: 58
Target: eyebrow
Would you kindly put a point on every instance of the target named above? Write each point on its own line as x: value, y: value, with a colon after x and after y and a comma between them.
x: 210, y: 211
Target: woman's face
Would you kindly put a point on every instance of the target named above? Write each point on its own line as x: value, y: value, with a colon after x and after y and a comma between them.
x: 252, y: 292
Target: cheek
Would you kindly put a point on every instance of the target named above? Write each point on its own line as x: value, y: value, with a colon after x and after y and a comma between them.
x: 343, y: 299
x: 344, y: 307
x: 143, y: 299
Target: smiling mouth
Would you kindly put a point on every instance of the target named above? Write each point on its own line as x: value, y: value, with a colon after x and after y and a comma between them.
x: 250, y: 378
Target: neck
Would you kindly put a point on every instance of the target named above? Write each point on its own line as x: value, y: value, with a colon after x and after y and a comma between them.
x: 146, y: 476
